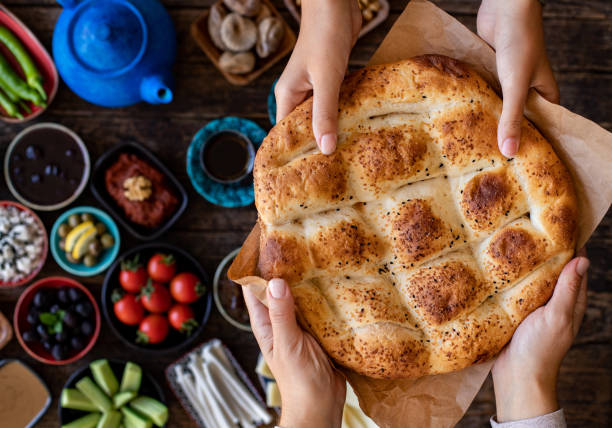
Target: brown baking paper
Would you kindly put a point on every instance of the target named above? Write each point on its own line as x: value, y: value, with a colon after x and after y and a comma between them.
x: 586, y: 149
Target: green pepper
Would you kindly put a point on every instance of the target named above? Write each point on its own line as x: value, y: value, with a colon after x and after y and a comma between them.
x: 8, y: 78
x: 32, y: 74
x: 8, y: 106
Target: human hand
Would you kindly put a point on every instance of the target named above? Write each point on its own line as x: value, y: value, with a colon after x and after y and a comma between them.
x: 525, y: 372
x: 312, y: 391
x: 514, y: 30
x: 328, y: 31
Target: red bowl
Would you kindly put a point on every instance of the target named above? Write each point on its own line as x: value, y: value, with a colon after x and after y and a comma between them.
x: 20, y: 322
x: 45, y: 248
x: 41, y: 58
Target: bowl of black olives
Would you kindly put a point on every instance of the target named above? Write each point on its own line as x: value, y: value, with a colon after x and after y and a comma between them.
x: 84, y: 241
x: 57, y: 320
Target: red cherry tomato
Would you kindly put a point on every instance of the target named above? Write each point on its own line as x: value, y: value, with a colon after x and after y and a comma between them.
x: 133, y: 275
x: 153, y: 329
x: 161, y: 267
x: 186, y: 288
x: 182, y: 318
x: 155, y: 297
x: 128, y: 309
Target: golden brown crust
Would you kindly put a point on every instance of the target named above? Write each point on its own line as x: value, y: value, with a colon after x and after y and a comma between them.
x: 416, y: 248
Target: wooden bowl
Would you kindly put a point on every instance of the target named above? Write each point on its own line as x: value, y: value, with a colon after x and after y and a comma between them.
x: 199, y: 31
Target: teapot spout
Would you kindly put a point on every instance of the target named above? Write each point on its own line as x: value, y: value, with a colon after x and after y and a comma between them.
x: 155, y: 89
x: 68, y: 4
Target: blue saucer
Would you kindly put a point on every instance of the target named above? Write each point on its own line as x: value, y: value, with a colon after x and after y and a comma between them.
x: 226, y: 195
x: 272, y: 104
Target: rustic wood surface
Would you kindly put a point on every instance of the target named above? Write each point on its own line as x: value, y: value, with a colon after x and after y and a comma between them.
x: 579, y: 37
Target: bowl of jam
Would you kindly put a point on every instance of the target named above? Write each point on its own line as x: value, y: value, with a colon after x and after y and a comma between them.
x: 46, y: 166
x: 228, y: 295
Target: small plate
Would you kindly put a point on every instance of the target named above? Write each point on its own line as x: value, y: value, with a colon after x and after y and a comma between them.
x: 38, y: 53
x: 227, y: 260
x: 108, y: 255
x: 98, y: 188
x: 148, y: 387
x: 272, y: 104
x: 226, y: 195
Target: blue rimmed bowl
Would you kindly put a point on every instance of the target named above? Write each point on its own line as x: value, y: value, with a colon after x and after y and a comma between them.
x: 107, y: 257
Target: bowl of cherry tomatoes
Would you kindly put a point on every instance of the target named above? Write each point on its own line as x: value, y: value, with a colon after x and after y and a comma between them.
x: 156, y: 298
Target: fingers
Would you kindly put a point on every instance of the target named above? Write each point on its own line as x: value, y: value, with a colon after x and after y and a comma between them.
x: 287, y: 98
x: 569, y: 288
x: 544, y: 82
x: 326, y: 90
x: 282, y: 315
x: 581, y: 301
x: 260, y: 321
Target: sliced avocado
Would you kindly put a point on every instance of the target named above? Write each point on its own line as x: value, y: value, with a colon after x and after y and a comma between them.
x: 110, y: 419
x: 152, y: 409
x: 74, y: 399
x: 94, y: 393
x: 87, y: 421
x: 104, y: 376
x: 131, y: 419
x: 132, y: 376
x: 122, y: 398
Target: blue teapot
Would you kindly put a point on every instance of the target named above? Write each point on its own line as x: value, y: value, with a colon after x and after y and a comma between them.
x: 116, y: 53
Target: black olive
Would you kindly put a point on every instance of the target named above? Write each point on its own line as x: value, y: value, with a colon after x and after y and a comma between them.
x: 75, y: 294
x: 55, y: 308
x: 70, y: 319
x: 41, y: 299
x: 87, y: 328
x: 84, y: 309
x: 32, y: 317
x: 32, y: 152
x: 77, y: 343
x: 59, y: 352
x: 62, y: 295
x: 30, y: 336
x: 47, y: 343
x: 61, y: 337
x: 42, y: 331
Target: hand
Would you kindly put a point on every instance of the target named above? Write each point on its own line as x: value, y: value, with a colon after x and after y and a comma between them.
x: 525, y: 373
x: 312, y: 391
x: 514, y: 30
x: 328, y: 31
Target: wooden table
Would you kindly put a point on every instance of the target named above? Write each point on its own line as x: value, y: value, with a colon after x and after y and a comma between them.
x: 579, y: 36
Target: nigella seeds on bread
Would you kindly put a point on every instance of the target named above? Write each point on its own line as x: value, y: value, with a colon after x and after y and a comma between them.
x: 416, y: 248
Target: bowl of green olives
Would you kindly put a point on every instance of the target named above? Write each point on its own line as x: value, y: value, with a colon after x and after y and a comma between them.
x: 84, y: 241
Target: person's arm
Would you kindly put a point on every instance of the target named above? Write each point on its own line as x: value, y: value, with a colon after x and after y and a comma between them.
x: 312, y: 391
x: 525, y: 373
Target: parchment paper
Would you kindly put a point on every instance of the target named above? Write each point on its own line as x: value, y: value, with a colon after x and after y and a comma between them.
x: 586, y: 149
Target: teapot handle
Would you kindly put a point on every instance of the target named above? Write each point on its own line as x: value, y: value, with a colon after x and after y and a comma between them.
x: 68, y: 4
x: 155, y: 89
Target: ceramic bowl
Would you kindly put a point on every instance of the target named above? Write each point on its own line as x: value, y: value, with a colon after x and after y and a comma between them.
x: 175, y: 340
x: 84, y: 177
x: 45, y: 248
x: 149, y: 387
x: 220, y: 269
x: 20, y: 323
x: 108, y: 256
x: 41, y: 57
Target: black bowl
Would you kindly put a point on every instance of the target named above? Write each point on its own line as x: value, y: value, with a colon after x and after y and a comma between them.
x: 175, y: 340
x: 148, y: 387
x: 98, y: 188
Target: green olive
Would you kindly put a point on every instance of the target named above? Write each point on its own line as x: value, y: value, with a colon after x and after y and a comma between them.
x: 94, y: 248
x: 74, y: 220
x: 71, y: 259
x: 89, y: 260
x: 107, y: 240
x: 87, y: 217
x: 101, y: 228
x: 63, y: 230
x: 62, y: 244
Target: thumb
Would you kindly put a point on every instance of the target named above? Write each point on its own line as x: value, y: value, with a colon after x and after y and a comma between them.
x: 282, y: 315
x: 514, y: 89
x: 568, y: 288
x: 325, y: 91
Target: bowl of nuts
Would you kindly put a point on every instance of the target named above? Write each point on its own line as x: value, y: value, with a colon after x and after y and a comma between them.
x: 243, y: 38
x: 373, y: 12
x: 84, y: 241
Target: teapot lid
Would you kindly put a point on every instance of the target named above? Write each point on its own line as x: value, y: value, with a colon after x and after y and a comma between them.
x: 108, y: 37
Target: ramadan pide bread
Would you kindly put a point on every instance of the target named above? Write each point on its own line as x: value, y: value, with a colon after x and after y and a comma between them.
x: 416, y: 248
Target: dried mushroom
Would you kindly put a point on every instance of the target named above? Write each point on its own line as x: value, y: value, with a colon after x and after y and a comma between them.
x: 244, y: 7
x: 263, y: 14
x: 270, y: 33
x: 238, y: 33
x: 237, y: 63
x: 215, y: 18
